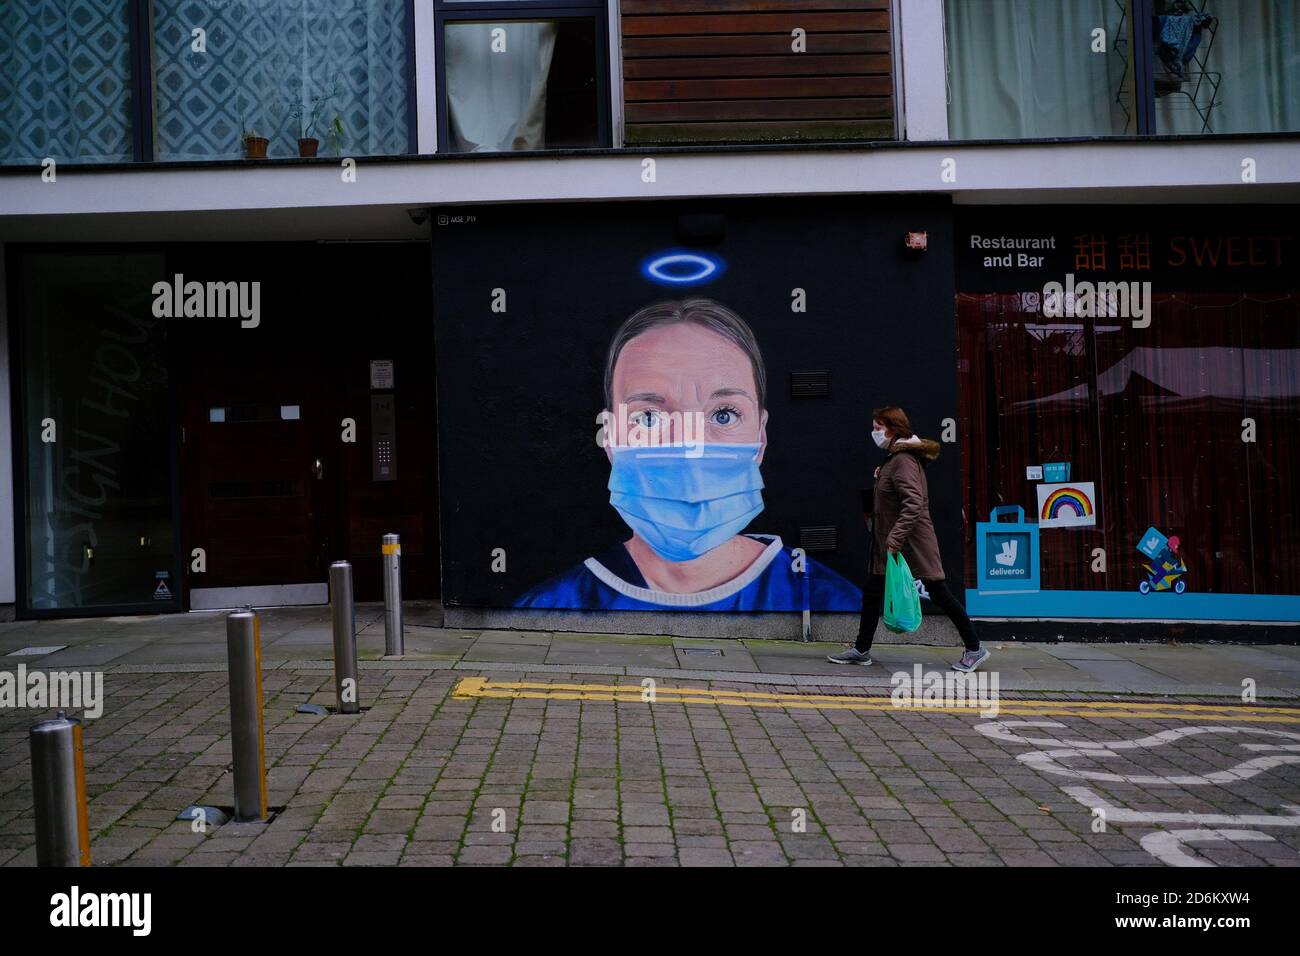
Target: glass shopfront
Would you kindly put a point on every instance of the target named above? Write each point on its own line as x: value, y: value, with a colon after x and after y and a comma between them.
x: 95, y: 434
x: 1130, y: 414
x: 174, y: 447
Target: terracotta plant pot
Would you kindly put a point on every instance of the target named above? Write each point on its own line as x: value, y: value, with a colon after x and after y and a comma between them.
x: 255, y: 147
x: 308, y: 147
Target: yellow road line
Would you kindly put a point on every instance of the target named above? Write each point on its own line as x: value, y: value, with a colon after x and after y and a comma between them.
x: 469, y: 688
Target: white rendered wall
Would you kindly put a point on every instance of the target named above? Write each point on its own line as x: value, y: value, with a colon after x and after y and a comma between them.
x: 923, y: 80
x: 7, y: 586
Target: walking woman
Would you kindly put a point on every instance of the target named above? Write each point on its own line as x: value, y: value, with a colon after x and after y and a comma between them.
x: 902, y: 523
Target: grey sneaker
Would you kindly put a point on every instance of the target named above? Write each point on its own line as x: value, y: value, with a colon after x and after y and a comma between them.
x: 851, y: 656
x: 971, y: 660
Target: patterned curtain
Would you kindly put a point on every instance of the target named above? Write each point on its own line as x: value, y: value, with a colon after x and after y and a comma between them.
x: 267, y: 60
x: 65, y: 81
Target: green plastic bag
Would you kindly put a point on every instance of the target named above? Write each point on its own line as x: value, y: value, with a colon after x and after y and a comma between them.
x: 902, y: 603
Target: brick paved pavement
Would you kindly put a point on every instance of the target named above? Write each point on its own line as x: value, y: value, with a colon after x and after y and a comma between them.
x: 420, y: 778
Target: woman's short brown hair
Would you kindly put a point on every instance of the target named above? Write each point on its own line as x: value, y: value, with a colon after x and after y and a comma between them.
x: 895, y: 419
x: 705, y: 313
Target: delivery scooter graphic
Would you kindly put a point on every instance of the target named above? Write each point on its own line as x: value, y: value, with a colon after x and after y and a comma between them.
x: 1166, y: 570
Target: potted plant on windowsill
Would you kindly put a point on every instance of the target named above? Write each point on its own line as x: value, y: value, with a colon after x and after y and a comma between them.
x: 334, y: 134
x: 254, y: 145
x: 306, y: 115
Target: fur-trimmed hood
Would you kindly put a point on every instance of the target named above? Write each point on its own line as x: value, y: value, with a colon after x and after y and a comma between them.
x: 924, y: 449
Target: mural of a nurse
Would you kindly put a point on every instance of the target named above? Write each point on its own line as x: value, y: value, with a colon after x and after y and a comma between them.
x: 685, y: 429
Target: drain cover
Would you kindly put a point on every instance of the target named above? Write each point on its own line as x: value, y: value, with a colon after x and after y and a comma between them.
x: 701, y: 651
x: 36, y: 651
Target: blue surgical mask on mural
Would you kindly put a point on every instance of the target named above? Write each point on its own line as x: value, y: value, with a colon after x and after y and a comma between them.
x: 686, y: 500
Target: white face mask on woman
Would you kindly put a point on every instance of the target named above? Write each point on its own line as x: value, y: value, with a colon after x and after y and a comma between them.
x: 878, y: 436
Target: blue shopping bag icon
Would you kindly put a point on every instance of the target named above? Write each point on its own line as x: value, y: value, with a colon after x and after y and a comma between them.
x: 1006, y: 552
x: 1152, y: 543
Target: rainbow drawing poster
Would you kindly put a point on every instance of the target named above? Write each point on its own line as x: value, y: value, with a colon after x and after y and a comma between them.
x: 1070, y: 504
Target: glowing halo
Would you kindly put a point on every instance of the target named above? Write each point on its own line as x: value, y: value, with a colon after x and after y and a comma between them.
x: 681, y: 268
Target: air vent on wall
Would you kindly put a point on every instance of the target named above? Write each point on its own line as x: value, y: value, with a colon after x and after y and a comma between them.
x: 818, y: 538
x: 810, y: 384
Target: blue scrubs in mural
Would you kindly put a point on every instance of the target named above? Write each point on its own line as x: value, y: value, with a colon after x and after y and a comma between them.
x: 612, y: 581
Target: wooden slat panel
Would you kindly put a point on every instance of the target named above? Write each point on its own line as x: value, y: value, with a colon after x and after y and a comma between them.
x: 756, y: 87
x: 758, y: 44
x: 792, y: 65
x: 750, y: 131
x: 725, y: 23
x: 678, y: 111
x: 724, y: 70
x: 635, y: 7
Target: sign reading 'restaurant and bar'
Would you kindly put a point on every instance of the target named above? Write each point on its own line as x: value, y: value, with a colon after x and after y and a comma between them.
x: 1206, y: 249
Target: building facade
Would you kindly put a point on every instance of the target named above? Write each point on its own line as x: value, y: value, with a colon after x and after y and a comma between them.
x: 282, y: 276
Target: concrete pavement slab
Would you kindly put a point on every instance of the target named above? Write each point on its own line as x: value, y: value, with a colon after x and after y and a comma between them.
x: 566, y: 651
x: 534, y: 653
x: 89, y: 654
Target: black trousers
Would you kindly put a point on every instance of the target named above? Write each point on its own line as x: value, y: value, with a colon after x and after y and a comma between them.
x: 873, y: 605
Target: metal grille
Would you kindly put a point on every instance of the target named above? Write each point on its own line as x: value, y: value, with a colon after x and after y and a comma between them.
x: 818, y: 538
x: 810, y: 384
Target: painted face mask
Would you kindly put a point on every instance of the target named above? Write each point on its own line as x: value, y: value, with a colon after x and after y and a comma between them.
x: 686, y: 501
x: 878, y: 436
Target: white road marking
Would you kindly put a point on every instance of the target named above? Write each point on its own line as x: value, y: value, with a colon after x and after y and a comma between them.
x: 1047, y: 761
x: 1167, y: 845
x: 1002, y: 730
x: 1164, y: 845
x: 1115, y: 814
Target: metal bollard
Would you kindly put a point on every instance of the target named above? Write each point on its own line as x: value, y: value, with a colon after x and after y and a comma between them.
x: 806, y: 631
x: 244, y: 647
x: 343, y: 612
x: 394, y: 639
x: 59, y: 788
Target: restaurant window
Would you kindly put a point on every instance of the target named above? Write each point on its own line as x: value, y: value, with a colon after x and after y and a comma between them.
x: 1129, y: 412
x: 95, y: 435
x: 521, y: 76
x: 1155, y: 465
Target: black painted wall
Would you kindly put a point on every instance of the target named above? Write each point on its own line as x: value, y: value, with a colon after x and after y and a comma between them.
x: 519, y: 391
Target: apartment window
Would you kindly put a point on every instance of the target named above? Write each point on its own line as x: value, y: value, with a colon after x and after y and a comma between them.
x: 1226, y: 66
x: 1025, y: 69
x: 65, y: 81
x: 280, y: 77
x: 521, y: 76
x: 117, y: 80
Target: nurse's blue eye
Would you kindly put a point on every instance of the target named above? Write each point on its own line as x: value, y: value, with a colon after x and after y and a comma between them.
x: 725, y: 416
x: 646, y: 419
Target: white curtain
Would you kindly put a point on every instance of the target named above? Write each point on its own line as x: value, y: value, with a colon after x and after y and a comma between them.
x: 1256, y: 52
x: 496, y: 84
x: 1025, y: 69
